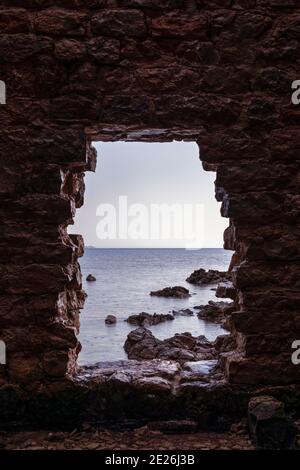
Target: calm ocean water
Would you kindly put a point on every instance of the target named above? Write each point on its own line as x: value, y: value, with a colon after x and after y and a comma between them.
x: 125, y: 278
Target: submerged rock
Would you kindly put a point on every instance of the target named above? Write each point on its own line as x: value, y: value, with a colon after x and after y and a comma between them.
x: 201, y: 277
x: 91, y: 278
x: 110, y: 320
x: 142, y: 344
x: 177, y: 291
x: 147, y: 319
x: 187, y: 312
x: 270, y: 427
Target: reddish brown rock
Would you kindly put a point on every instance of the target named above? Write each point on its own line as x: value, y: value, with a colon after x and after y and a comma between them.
x: 216, y: 72
x: 118, y: 23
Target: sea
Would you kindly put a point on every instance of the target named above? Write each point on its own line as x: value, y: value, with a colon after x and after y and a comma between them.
x: 124, y: 280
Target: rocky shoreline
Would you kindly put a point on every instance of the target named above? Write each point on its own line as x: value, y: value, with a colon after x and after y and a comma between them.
x: 141, y: 344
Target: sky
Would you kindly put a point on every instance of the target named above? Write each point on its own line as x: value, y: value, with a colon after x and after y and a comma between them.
x: 150, y: 195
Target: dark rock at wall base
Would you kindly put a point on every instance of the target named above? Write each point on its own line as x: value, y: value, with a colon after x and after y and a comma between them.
x: 141, y: 344
x: 270, y: 427
x: 177, y: 292
x: 113, y: 393
x: 200, y: 277
x: 146, y: 319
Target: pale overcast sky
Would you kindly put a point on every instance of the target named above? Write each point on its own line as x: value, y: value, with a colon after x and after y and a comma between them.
x: 148, y: 175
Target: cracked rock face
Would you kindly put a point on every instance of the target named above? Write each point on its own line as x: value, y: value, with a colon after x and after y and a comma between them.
x: 147, y: 71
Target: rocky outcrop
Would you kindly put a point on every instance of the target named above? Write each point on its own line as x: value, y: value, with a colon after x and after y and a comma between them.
x: 270, y: 427
x: 111, y: 320
x: 201, y: 277
x: 216, y: 312
x: 141, y: 344
x: 146, y: 319
x: 91, y: 278
x: 178, y: 292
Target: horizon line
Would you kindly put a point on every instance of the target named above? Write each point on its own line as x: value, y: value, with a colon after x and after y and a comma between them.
x: 154, y: 248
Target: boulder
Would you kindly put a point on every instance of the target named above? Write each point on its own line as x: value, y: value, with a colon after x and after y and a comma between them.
x: 146, y: 319
x: 110, y: 320
x: 177, y: 292
x: 269, y: 426
x: 91, y: 278
x: 201, y: 277
x: 142, y: 344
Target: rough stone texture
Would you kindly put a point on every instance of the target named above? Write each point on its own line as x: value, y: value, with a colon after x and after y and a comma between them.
x: 215, y: 72
x: 270, y: 427
x: 217, y: 312
x: 135, y: 393
x: 142, y: 344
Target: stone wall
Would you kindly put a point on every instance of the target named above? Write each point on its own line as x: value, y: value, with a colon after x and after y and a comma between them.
x: 216, y: 71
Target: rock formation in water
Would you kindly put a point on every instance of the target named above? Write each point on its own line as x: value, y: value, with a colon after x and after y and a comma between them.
x: 146, y: 319
x: 141, y: 344
x: 111, y: 320
x: 201, y: 277
x: 177, y: 292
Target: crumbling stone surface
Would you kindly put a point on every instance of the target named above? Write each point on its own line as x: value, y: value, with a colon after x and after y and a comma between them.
x: 218, y: 73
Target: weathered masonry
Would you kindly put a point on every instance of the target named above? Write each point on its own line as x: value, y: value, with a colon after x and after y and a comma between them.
x: 216, y: 71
